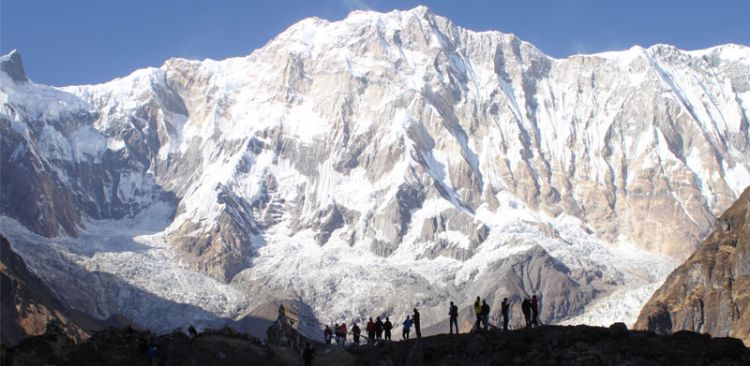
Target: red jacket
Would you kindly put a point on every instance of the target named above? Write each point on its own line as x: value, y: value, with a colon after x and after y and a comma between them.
x: 370, y: 327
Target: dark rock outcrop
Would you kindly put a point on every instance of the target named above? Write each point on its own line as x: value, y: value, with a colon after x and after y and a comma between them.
x: 549, y: 345
x: 29, y: 307
x: 12, y: 65
x: 710, y: 292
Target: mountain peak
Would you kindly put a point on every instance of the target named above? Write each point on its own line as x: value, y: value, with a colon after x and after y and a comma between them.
x: 12, y: 64
x: 421, y: 10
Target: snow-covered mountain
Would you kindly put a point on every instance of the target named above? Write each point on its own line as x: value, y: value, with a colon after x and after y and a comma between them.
x: 371, y: 165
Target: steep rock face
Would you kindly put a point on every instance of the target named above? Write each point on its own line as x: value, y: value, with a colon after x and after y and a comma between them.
x: 710, y: 292
x: 28, y: 306
x: 383, y: 148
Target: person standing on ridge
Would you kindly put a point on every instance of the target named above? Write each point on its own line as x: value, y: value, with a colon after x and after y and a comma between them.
x: 370, y: 331
x: 526, y: 309
x: 308, y: 354
x: 342, y: 331
x: 534, y: 311
x: 485, y: 314
x: 416, y: 320
x: 387, y: 326
x: 355, y: 333
x: 453, y: 313
x: 327, y: 334
x: 504, y: 307
x: 478, y: 313
x: 406, y: 329
x: 378, y: 329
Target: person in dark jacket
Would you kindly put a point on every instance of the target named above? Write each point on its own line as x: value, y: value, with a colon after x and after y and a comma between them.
x: 478, y: 313
x: 356, y: 333
x: 485, y: 314
x: 406, y: 329
x: 308, y: 354
x: 370, y: 331
x: 387, y: 326
x: 504, y: 307
x: 453, y: 313
x: 378, y: 329
x: 415, y: 318
x: 526, y: 309
x: 328, y: 334
x: 534, y: 311
x: 342, y: 332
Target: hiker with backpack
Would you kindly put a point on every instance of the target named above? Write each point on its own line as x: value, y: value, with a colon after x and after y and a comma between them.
x: 406, y: 328
x: 387, y: 326
x: 504, y: 307
x: 453, y: 313
x: 485, y: 314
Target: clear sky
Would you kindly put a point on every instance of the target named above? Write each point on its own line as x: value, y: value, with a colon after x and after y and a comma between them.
x: 80, y: 42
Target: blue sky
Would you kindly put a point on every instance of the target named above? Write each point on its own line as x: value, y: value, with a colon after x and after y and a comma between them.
x: 80, y: 42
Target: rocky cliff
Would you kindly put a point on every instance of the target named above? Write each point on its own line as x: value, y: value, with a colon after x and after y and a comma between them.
x: 28, y: 306
x: 710, y: 292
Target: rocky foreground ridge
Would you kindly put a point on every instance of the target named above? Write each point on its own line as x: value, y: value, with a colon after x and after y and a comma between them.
x: 548, y: 345
x: 710, y: 292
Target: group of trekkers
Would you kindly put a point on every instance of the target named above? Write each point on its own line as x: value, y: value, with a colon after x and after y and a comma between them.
x: 379, y: 330
x: 529, y: 308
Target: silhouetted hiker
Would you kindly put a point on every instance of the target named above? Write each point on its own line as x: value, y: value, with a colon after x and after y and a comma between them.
x: 407, y: 328
x: 370, y: 331
x: 337, y: 333
x: 387, y: 326
x: 453, y: 313
x: 282, y: 312
x: 478, y: 313
x: 308, y: 354
x: 485, y: 314
x: 152, y: 352
x: 355, y: 333
x: 341, y: 332
x: 504, y: 307
x: 526, y: 309
x: 534, y: 311
x: 192, y: 332
x: 328, y: 334
x: 416, y: 319
x: 378, y: 328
